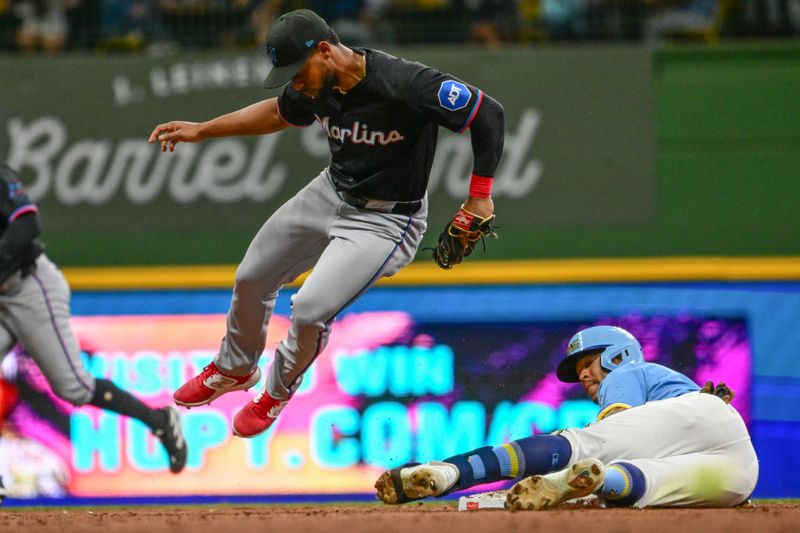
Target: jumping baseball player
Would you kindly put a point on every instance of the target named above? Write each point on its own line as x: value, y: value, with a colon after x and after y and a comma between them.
x: 34, y: 310
x: 360, y: 219
x: 658, y: 440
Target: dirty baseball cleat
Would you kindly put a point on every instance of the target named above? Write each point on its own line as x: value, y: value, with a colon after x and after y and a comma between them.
x: 257, y: 416
x: 171, y: 436
x: 543, y: 492
x: 210, y: 384
x: 412, y: 482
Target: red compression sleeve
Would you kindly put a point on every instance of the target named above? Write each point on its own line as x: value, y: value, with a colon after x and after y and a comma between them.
x: 480, y: 186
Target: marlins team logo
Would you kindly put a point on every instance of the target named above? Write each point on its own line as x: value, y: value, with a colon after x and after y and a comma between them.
x: 273, y: 54
x: 454, y: 95
x: 359, y: 133
x: 15, y: 189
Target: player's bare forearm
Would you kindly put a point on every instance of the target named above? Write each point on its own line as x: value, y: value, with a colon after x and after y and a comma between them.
x: 259, y: 118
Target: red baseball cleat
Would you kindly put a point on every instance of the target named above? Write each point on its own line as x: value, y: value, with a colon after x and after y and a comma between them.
x: 211, y: 384
x: 257, y: 416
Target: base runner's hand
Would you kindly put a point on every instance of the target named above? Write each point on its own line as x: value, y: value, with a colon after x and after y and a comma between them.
x: 720, y: 390
x: 172, y: 133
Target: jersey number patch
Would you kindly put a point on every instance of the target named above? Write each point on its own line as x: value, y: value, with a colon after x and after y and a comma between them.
x: 454, y: 95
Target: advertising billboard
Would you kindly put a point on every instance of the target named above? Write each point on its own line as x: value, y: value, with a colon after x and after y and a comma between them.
x: 389, y: 389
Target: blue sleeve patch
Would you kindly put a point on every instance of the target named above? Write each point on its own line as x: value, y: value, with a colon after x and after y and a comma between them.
x: 454, y: 95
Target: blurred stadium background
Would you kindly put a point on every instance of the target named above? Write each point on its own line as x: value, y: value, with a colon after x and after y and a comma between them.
x: 650, y: 180
x: 162, y: 25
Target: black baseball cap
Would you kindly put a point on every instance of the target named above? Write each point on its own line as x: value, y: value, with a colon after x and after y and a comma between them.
x: 291, y: 39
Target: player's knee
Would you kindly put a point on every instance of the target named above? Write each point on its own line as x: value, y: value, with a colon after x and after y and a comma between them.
x: 76, y: 394
x: 245, y: 279
x: 248, y: 286
x: 307, y: 313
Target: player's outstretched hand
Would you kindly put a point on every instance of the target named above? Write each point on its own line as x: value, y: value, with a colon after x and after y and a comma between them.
x: 720, y: 390
x: 171, y: 133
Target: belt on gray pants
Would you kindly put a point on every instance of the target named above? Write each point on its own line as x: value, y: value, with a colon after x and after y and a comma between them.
x: 384, y: 206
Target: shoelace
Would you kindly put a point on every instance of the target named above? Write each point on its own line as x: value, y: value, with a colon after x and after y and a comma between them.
x: 259, y: 409
x: 207, y: 371
x: 262, y: 410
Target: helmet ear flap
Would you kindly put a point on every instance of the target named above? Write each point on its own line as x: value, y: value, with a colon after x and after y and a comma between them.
x: 629, y: 353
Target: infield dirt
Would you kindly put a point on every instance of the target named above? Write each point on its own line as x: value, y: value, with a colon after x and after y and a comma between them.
x: 414, y: 518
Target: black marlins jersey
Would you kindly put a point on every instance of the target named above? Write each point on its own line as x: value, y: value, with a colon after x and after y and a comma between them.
x: 14, y: 203
x: 382, y: 133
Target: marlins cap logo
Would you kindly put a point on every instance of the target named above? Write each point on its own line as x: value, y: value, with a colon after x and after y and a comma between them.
x: 454, y: 95
x: 273, y: 54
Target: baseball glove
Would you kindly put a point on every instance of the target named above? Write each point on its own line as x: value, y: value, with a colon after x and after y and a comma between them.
x: 460, y: 236
x: 720, y: 390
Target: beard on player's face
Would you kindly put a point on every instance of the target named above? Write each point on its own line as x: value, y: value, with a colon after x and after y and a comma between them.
x: 328, y: 84
x: 313, y: 78
x: 317, y: 89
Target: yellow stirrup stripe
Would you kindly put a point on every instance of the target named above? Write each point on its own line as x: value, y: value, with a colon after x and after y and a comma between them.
x: 512, y: 457
x: 624, y: 473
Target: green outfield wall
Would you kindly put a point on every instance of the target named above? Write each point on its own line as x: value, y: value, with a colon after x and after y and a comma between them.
x: 610, y: 152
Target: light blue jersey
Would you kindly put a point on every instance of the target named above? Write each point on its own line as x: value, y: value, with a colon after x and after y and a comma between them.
x: 635, y: 384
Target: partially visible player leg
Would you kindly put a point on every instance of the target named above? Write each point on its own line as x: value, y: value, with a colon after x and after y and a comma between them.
x: 7, y: 338
x: 364, y: 247
x: 39, y: 317
x: 538, y: 454
x: 287, y: 245
x: 722, y: 478
x: 165, y: 423
x: 670, y: 433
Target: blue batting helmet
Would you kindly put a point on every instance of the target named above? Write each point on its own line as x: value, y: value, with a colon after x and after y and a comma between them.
x: 612, y: 343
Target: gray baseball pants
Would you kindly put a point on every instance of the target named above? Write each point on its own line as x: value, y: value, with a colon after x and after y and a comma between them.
x: 349, y: 250
x: 34, y: 310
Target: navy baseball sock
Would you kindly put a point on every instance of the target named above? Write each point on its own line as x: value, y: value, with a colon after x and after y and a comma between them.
x: 475, y: 468
x: 111, y: 398
x: 624, y: 485
x: 538, y: 454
